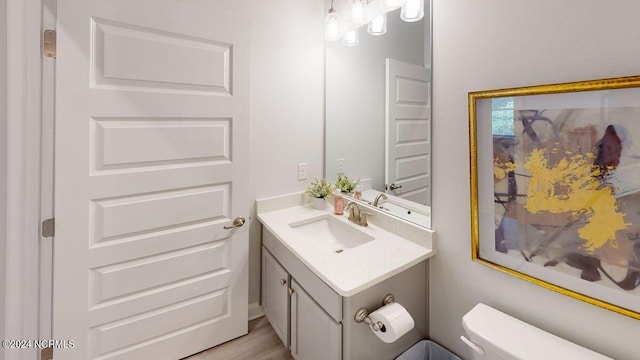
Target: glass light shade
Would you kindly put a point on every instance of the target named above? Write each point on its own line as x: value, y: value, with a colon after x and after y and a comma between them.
x: 378, y: 26
x: 412, y: 10
x: 393, y: 4
x: 357, y: 12
x: 331, y: 27
x: 351, y: 38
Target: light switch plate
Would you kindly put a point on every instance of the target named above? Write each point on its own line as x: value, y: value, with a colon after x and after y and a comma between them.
x: 340, y: 166
x: 302, y: 171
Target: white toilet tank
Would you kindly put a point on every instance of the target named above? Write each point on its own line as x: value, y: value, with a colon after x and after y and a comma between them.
x: 493, y: 335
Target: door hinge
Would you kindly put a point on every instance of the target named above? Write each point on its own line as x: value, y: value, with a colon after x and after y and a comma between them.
x: 49, y: 43
x: 49, y: 228
x: 46, y: 354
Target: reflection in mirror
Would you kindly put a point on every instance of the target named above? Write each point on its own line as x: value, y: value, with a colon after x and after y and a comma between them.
x: 378, y: 115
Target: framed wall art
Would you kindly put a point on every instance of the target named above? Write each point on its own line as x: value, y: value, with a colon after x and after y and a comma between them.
x: 555, y: 187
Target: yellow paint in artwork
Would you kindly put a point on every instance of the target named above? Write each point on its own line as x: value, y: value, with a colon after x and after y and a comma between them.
x: 500, y: 169
x: 571, y: 186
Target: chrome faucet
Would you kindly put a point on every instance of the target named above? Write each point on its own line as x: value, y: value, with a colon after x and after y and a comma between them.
x: 356, y: 214
x: 380, y: 196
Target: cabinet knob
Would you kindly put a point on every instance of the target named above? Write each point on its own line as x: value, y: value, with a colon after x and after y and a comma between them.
x: 291, y: 291
x: 283, y: 282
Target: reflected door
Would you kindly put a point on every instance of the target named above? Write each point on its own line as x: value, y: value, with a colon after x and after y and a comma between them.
x: 407, y: 137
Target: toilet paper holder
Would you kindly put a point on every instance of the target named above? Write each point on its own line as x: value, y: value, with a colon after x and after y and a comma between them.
x: 362, y: 315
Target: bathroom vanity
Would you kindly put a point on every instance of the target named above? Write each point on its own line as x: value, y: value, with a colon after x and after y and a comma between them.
x: 319, y: 269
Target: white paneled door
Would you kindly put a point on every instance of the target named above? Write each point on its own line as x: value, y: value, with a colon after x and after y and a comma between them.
x: 408, y: 138
x: 151, y: 165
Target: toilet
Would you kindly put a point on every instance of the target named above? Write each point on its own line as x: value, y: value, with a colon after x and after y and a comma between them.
x: 493, y: 335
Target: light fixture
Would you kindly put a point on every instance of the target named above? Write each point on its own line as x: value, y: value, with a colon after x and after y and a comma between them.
x: 412, y: 10
x: 357, y: 12
x: 373, y: 12
x: 331, y: 25
x: 393, y: 4
x: 378, y: 26
x: 351, y: 38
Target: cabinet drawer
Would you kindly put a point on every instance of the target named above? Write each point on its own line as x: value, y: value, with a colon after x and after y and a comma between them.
x: 328, y: 299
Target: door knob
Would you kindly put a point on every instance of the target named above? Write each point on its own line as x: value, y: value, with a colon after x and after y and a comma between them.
x: 237, y: 222
x: 283, y: 282
x: 394, y: 186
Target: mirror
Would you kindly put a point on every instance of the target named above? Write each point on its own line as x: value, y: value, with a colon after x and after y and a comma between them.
x: 378, y: 115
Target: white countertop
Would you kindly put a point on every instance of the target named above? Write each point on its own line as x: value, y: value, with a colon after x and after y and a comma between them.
x: 397, y: 245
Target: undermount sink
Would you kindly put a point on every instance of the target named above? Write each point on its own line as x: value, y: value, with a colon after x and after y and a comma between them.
x: 328, y: 231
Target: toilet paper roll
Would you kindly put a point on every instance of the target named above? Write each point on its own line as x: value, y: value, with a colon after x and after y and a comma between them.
x: 396, y: 320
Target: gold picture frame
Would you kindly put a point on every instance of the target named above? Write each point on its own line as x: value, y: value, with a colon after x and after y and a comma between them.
x: 554, y: 195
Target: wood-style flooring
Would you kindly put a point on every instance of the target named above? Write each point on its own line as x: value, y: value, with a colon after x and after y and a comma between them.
x: 261, y: 343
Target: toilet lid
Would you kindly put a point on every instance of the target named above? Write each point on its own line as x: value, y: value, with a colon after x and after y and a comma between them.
x: 509, y: 338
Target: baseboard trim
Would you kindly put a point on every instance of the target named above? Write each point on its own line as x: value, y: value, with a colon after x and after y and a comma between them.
x: 255, y: 311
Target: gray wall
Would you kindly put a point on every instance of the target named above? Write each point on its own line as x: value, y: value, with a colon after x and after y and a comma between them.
x: 493, y: 44
x: 3, y: 159
x: 286, y: 105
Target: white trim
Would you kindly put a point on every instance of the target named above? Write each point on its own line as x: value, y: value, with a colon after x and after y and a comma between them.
x: 255, y: 311
x: 3, y: 156
x: 47, y: 176
x: 23, y: 173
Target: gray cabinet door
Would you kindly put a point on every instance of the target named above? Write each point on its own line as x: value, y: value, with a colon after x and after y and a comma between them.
x: 314, y: 334
x: 275, y: 295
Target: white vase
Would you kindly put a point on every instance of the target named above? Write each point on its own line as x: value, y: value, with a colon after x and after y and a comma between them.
x: 319, y: 203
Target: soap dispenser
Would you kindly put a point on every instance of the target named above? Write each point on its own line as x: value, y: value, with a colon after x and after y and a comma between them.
x: 338, y: 205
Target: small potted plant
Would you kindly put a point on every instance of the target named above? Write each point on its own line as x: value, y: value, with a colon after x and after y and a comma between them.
x: 345, y: 184
x: 320, y: 190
